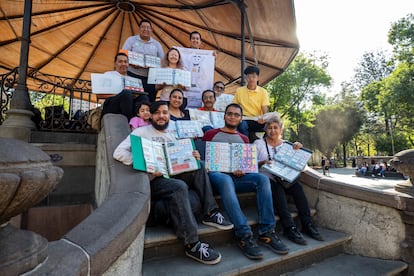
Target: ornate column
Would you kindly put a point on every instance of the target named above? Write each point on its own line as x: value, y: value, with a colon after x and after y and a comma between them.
x: 26, y: 177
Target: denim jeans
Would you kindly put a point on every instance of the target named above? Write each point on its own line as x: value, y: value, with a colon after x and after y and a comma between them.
x: 247, y: 126
x: 227, y: 185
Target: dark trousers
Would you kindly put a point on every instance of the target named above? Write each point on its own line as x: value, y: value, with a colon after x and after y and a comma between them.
x: 247, y: 126
x: 123, y: 103
x: 281, y: 205
x: 149, y: 88
x: 175, y: 191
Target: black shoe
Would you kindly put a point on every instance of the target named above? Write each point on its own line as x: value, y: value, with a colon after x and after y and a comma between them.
x: 250, y: 248
x: 294, y: 235
x: 272, y: 241
x: 218, y: 220
x: 312, y: 232
x: 203, y: 253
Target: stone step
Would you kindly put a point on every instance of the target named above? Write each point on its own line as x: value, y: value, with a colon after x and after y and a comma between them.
x: 160, y: 241
x: 234, y: 262
x: 344, y: 264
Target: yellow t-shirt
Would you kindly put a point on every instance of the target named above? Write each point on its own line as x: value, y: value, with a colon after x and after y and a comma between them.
x: 251, y: 100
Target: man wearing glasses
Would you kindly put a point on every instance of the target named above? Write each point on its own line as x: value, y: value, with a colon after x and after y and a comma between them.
x: 228, y: 184
x: 222, y: 100
x: 144, y: 44
x: 255, y: 102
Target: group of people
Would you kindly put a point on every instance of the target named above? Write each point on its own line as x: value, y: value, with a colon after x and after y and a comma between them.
x: 188, y: 198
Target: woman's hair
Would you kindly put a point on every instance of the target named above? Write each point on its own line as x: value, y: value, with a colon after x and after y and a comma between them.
x: 274, y: 119
x: 166, y: 62
x: 139, y: 104
x: 184, y: 104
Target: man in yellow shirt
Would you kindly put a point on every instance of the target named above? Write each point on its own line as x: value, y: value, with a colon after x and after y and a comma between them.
x: 254, y: 100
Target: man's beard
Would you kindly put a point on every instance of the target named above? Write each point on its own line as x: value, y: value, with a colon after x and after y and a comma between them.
x: 230, y: 126
x: 159, y: 127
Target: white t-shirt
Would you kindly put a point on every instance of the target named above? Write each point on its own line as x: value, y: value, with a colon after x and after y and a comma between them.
x: 123, y: 153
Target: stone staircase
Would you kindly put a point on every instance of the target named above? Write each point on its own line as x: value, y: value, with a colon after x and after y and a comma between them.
x: 164, y: 254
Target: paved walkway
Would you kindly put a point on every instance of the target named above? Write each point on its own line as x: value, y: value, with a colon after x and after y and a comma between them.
x: 347, y: 175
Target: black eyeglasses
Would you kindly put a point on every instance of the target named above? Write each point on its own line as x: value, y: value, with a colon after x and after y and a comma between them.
x: 219, y: 87
x: 231, y: 114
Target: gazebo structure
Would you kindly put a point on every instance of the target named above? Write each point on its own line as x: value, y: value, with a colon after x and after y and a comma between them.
x: 66, y: 41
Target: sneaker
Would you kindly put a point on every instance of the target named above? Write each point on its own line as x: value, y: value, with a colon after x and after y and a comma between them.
x: 250, y: 248
x: 203, y: 253
x: 218, y: 220
x: 294, y: 235
x: 312, y: 232
x: 273, y: 242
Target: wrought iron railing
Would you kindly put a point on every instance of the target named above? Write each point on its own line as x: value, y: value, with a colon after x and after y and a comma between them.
x: 64, y: 103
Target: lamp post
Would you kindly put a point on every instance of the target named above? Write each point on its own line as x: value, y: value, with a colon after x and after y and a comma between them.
x: 18, y: 123
x: 392, y: 137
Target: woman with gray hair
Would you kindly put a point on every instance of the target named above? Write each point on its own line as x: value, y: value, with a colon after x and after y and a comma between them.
x: 266, y: 148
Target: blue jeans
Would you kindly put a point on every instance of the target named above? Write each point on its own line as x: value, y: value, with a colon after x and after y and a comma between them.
x: 227, y: 185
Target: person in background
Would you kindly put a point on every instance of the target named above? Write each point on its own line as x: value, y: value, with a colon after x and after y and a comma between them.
x: 177, y: 106
x: 222, y: 99
x: 174, y: 190
x: 266, y: 148
x: 172, y: 60
x: 142, y: 117
x: 227, y: 184
x: 144, y: 44
x: 255, y: 102
x: 208, y: 97
x: 195, y: 40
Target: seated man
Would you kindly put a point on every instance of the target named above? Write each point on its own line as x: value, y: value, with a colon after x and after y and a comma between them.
x: 209, y: 98
x: 174, y: 190
x: 125, y: 102
x: 255, y: 103
x: 228, y: 184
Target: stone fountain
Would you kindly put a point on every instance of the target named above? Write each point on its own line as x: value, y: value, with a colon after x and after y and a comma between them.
x: 403, y: 161
x: 26, y: 177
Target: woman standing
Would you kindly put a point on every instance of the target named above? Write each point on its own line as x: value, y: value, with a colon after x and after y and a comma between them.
x: 171, y: 60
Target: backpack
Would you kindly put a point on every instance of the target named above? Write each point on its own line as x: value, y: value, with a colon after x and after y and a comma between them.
x: 94, y: 118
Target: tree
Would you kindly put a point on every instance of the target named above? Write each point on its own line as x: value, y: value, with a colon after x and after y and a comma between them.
x: 293, y: 92
x: 401, y: 36
x: 373, y: 66
x: 335, y: 125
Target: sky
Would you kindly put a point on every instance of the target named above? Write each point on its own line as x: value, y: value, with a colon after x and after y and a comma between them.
x: 345, y: 30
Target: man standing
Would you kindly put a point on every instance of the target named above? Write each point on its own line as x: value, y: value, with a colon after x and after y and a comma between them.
x: 228, y: 184
x: 124, y: 102
x: 144, y: 44
x: 254, y: 100
x: 174, y: 190
x: 195, y: 40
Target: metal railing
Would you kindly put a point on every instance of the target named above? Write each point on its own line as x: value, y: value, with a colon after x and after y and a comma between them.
x: 59, y: 103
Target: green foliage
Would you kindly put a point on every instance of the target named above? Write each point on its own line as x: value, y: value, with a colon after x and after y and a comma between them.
x: 384, y: 143
x: 299, y: 85
x: 337, y: 124
x: 41, y: 100
x: 401, y: 36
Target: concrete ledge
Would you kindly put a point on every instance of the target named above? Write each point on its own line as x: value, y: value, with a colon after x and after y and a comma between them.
x: 395, y: 199
x: 111, y: 238
x: 376, y: 219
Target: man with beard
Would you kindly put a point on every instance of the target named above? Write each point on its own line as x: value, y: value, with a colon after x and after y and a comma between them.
x: 174, y: 190
x: 228, y: 184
